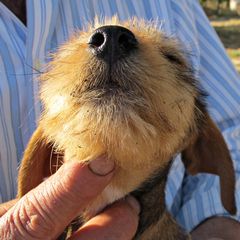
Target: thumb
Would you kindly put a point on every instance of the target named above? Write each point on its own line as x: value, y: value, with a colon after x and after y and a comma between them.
x: 48, y: 209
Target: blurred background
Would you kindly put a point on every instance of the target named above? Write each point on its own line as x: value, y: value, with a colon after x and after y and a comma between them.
x: 225, y: 18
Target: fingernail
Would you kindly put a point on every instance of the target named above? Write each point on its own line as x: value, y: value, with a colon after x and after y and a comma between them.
x: 134, y: 204
x: 101, y: 166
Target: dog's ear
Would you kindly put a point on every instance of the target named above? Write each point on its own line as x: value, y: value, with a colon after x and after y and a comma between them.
x: 38, y: 162
x: 208, y: 153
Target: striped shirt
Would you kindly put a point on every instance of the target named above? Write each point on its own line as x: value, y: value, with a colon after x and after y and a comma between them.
x: 24, y: 50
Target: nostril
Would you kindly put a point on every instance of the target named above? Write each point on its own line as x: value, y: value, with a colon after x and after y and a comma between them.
x: 123, y: 39
x: 97, y: 39
x: 127, y: 39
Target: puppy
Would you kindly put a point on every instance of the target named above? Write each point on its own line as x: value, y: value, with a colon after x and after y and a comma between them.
x: 127, y: 91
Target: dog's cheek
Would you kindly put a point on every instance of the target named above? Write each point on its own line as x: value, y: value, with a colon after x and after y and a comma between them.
x: 65, y: 72
x: 175, y: 105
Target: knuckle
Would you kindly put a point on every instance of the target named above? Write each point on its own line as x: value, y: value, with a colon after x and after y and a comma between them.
x: 5, y: 228
x: 37, y: 220
x: 26, y: 222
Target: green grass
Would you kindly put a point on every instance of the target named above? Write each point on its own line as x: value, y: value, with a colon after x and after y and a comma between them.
x: 234, y: 53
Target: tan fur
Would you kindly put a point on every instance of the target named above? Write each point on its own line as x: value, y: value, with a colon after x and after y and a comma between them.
x: 134, y: 138
x: 141, y: 127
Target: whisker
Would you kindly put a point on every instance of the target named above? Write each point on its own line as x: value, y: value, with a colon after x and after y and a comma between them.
x: 51, y: 161
x: 38, y: 71
x: 24, y: 74
x: 57, y: 163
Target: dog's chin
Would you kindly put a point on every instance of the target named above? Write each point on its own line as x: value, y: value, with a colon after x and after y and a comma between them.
x: 112, y: 91
x: 110, y: 96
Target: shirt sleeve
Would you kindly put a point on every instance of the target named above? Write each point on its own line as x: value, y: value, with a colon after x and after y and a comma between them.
x: 13, y: 110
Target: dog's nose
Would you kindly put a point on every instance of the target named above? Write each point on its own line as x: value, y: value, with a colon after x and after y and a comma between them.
x: 112, y: 43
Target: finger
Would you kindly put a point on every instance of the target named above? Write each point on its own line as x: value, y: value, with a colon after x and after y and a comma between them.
x: 212, y: 229
x: 4, y: 207
x: 215, y: 238
x: 48, y: 209
x: 118, y: 222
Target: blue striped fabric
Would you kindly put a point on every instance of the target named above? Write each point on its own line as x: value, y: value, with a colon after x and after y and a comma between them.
x: 24, y: 51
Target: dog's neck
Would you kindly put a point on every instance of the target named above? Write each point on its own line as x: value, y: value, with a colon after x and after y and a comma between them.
x: 151, y: 196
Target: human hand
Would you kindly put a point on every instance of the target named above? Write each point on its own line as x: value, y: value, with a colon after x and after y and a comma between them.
x: 217, y: 228
x: 44, y: 212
